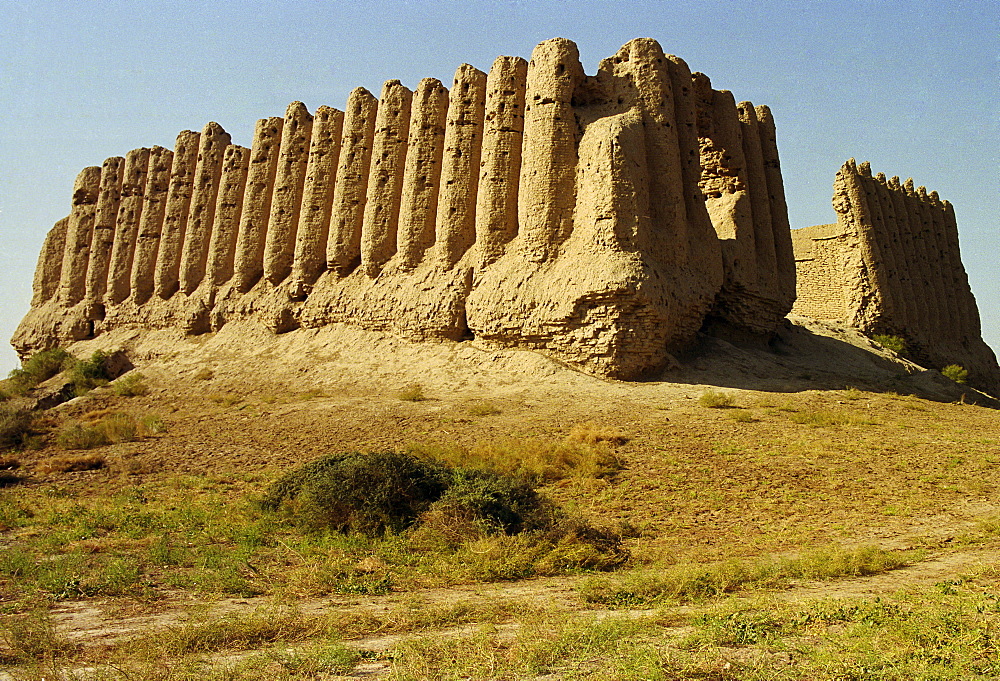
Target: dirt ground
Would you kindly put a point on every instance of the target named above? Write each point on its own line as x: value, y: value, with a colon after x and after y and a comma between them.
x: 830, y: 440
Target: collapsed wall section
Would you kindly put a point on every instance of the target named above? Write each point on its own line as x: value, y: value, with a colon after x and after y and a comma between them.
x: 601, y: 219
x: 891, y: 265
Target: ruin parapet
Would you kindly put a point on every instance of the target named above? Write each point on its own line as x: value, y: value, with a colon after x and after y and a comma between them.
x: 891, y: 265
x: 601, y: 219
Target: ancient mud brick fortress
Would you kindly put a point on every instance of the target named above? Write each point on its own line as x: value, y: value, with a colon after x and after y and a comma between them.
x: 600, y: 219
x: 891, y: 265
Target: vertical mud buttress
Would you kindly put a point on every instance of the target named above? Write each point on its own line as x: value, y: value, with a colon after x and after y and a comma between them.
x: 103, y: 241
x: 547, y: 192
x: 503, y: 134
x: 207, y: 175
x: 79, y: 232
x: 760, y: 201
x: 317, y: 199
x: 463, y: 143
x: 385, y: 177
x: 343, y: 249
x: 249, y: 261
x: 228, y: 211
x: 279, y: 248
x: 779, y: 209
x: 46, y: 282
x: 422, y: 173
x: 127, y: 227
x: 154, y: 208
x: 168, y: 257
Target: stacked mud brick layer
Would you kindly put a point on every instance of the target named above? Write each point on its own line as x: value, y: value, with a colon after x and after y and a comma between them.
x: 891, y: 265
x: 600, y: 219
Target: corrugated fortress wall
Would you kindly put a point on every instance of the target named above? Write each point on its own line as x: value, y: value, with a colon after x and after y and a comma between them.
x: 598, y: 218
x: 892, y: 265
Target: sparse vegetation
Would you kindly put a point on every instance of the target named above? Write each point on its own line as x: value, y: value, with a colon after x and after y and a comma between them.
x: 15, y: 426
x: 203, y: 374
x: 825, y: 417
x: 540, y: 459
x: 716, y: 399
x: 895, y: 343
x: 38, y: 368
x: 955, y: 373
x: 684, y: 583
x: 102, y: 428
x: 482, y: 409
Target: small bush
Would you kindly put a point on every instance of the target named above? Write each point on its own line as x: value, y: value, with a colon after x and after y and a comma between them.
x: 132, y: 384
x: 955, y: 373
x: 40, y: 367
x: 741, y: 416
x: 715, y: 399
x: 15, y: 425
x: 894, y: 343
x: 89, y: 374
x: 412, y: 393
x: 499, y: 503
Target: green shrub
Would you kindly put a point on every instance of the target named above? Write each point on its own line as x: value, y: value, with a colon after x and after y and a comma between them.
x: 894, y: 343
x: 955, y: 373
x: 500, y: 503
x: 89, y: 374
x: 40, y: 367
x: 356, y: 492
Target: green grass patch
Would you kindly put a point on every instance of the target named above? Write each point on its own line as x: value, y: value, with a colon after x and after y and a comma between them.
x: 692, y: 582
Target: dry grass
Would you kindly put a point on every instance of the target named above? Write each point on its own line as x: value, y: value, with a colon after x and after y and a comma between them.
x: 412, y: 393
x: 587, y: 452
x: 482, y: 409
x: 106, y: 427
x: 71, y: 463
x: 716, y: 399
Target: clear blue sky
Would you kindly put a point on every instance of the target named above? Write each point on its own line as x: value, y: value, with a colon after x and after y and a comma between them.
x: 910, y: 86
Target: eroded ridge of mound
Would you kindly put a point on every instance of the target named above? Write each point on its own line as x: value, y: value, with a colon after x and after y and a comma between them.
x: 892, y: 265
x: 600, y: 219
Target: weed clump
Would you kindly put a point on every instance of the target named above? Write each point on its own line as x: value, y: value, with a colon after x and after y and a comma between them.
x: 15, y: 426
x: 132, y: 384
x: 716, y: 399
x: 412, y: 393
x: 955, y: 373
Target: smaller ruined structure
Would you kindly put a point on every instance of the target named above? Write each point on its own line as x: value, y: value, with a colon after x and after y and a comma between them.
x: 891, y: 265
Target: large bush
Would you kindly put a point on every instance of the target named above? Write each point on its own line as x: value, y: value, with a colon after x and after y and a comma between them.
x: 356, y: 492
